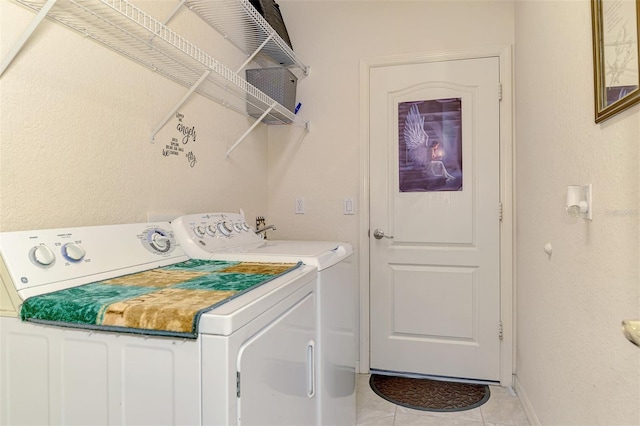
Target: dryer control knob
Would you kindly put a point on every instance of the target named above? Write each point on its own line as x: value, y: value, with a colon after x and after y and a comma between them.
x: 42, y: 256
x: 199, y: 231
x: 237, y: 227
x: 245, y: 227
x: 211, y: 230
x: 225, y: 228
x: 73, y: 252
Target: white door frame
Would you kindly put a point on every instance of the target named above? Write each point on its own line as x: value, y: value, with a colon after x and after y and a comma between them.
x: 507, y: 291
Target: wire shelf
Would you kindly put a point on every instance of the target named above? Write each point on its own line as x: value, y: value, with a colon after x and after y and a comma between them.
x: 131, y: 32
x: 244, y: 27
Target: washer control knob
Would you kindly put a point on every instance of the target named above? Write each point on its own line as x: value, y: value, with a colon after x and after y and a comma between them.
x: 237, y: 227
x: 225, y: 228
x: 73, y: 252
x: 211, y: 230
x: 42, y: 256
x: 160, y: 242
x: 245, y: 227
x: 199, y: 231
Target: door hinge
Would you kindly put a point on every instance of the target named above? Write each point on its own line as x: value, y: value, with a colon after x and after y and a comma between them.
x: 238, y: 384
x: 500, y: 212
x: 500, y: 333
x: 499, y: 91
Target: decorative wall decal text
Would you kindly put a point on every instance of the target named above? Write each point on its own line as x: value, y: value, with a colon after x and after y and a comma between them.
x: 175, y: 147
x: 191, y: 158
x: 187, y: 132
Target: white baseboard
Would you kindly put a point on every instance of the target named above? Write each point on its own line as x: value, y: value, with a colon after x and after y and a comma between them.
x: 526, y: 404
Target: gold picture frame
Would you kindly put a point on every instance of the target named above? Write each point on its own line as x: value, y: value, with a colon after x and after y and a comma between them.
x: 616, y: 56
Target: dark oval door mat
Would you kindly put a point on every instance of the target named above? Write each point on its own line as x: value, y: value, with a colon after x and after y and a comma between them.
x: 429, y: 395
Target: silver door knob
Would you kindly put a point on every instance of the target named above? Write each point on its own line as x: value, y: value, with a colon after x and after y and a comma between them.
x: 378, y: 234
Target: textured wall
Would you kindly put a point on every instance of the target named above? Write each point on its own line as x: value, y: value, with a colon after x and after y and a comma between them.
x: 75, y: 126
x: 572, y: 360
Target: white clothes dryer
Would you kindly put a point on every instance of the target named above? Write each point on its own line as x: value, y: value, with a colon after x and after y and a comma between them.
x: 224, y: 236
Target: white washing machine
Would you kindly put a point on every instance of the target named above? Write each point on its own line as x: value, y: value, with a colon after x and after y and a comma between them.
x: 251, y: 363
x: 225, y: 236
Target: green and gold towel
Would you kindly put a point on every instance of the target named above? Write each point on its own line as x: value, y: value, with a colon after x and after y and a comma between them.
x: 166, y: 301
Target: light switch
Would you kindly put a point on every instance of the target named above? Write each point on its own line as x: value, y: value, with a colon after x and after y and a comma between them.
x: 348, y: 205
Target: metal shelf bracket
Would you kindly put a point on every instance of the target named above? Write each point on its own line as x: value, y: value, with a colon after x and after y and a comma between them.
x: 170, y: 16
x: 178, y: 105
x: 249, y: 130
x: 26, y: 35
x: 250, y: 58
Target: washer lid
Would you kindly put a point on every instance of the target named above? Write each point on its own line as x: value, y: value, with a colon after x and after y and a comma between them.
x: 321, y: 254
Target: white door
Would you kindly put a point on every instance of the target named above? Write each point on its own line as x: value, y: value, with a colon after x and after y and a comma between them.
x: 434, y: 194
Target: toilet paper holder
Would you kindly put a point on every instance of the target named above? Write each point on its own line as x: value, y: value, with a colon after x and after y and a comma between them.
x: 579, y: 201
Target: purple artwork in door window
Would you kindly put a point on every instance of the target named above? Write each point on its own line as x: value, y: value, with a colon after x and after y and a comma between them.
x: 430, y: 145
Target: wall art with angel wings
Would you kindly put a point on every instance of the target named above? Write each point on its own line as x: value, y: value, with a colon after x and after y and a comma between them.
x: 430, y: 145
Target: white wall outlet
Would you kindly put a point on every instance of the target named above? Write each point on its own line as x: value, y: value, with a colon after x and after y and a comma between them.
x: 348, y: 205
x: 299, y: 207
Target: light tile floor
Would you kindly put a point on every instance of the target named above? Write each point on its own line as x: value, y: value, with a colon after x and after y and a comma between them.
x: 502, y: 409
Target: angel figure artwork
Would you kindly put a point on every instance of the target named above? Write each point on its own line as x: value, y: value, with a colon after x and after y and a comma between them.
x: 431, y: 152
